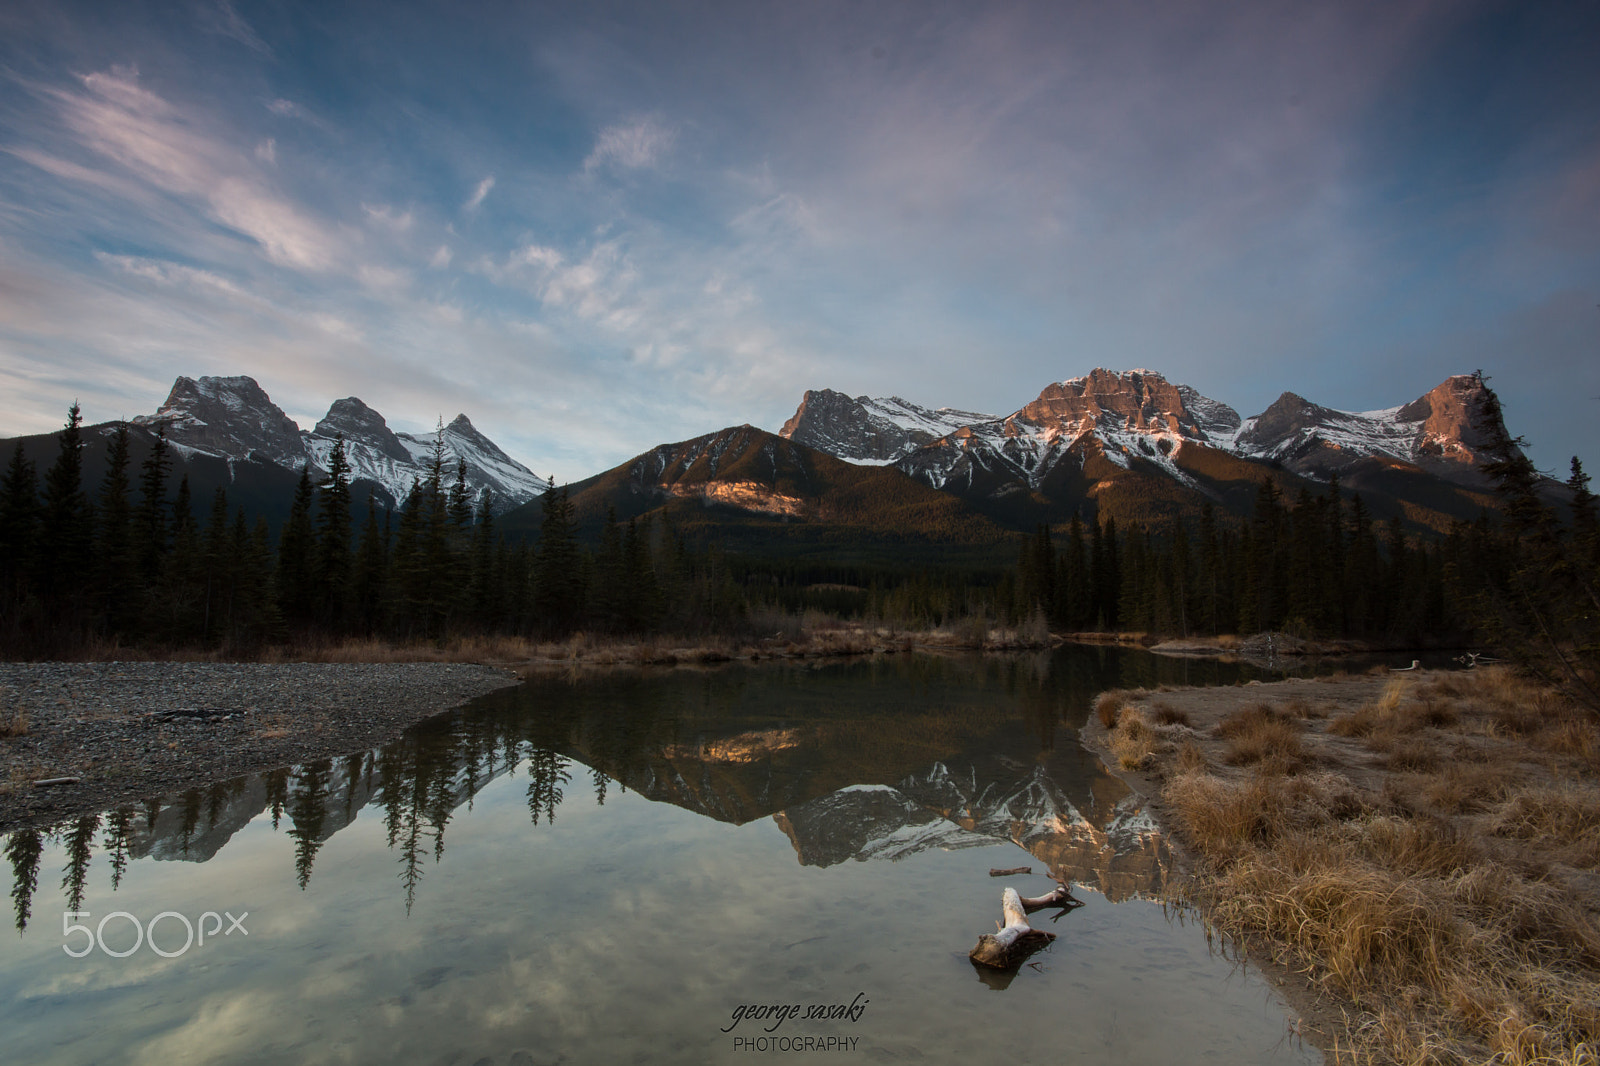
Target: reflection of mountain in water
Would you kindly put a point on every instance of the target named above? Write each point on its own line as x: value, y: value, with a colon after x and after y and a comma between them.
x: 863, y: 760
x: 1122, y: 857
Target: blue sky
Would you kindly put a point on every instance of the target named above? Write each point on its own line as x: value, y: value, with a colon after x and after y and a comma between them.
x: 594, y: 228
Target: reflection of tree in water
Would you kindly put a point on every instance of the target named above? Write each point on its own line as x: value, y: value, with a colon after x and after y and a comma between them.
x: 119, y: 826
x: 547, y: 772
x: 309, y: 810
x: 80, y: 850
x: 617, y: 727
x: 277, y: 793
x: 23, y: 849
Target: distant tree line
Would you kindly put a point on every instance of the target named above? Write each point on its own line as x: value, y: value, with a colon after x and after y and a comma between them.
x: 1321, y: 567
x: 127, y: 562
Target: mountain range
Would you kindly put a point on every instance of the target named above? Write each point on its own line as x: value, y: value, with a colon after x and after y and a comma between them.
x: 871, y: 479
x: 868, y: 479
x: 225, y: 432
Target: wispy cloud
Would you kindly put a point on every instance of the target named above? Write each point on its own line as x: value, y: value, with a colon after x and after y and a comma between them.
x: 630, y: 146
x: 148, y: 138
x: 478, y: 194
x: 167, y: 273
x: 221, y: 19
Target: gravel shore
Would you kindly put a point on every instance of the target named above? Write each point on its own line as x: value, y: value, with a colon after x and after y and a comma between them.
x: 126, y: 731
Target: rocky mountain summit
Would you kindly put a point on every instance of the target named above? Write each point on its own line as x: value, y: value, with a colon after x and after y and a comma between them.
x: 234, y: 419
x: 1138, y: 418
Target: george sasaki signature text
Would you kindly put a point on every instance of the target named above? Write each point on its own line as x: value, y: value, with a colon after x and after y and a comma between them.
x: 778, y: 1013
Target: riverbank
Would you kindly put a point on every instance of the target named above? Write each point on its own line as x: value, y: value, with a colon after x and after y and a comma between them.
x: 77, y: 737
x: 1413, y: 858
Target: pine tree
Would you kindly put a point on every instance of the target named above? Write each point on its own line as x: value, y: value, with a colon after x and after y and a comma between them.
x: 1547, y: 614
x: 296, y: 571
x: 114, y: 557
x: 610, y: 592
x: 460, y: 500
x: 150, y: 517
x: 642, y: 607
x: 558, y: 583
x: 66, y: 531
x: 216, y: 553
x: 485, y: 591
x: 19, y: 534
x: 368, y: 587
x: 333, y: 562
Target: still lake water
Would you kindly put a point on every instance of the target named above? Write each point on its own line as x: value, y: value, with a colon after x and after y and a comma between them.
x: 603, y: 870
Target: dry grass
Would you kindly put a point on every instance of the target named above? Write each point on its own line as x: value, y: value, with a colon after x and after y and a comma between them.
x: 1566, y: 815
x: 1109, y: 705
x: 1413, y: 755
x: 1166, y: 714
x: 1134, y: 741
x: 1465, y: 787
x: 1426, y: 897
x: 1262, y: 735
x: 1191, y: 759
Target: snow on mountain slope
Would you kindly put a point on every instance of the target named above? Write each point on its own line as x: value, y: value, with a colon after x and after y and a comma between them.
x: 1137, y: 415
x: 867, y: 430
x: 233, y: 418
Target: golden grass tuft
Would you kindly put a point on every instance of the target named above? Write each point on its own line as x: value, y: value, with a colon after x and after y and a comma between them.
x: 1566, y: 815
x: 1220, y: 816
x: 1466, y: 787
x: 1134, y: 741
x: 1191, y: 759
x: 1109, y: 705
x: 1427, y: 896
x: 1413, y: 755
x: 1262, y: 734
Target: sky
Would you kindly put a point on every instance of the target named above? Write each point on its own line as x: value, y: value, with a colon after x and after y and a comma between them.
x: 595, y: 228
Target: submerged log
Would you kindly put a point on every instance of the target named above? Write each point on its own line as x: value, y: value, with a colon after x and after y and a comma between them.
x: 1016, y: 939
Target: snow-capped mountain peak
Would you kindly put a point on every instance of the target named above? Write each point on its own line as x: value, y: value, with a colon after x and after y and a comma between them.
x: 234, y: 418
x: 1134, y: 417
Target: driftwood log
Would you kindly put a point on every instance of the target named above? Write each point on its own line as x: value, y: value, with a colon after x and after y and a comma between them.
x: 1060, y: 896
x: 995, y: 871
x: 1016, y: 939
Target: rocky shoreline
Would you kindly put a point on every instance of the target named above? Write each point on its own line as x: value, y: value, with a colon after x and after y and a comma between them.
x: 118, y: 732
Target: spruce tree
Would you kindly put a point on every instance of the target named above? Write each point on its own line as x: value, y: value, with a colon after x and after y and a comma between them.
x: 371, y: 572
x: 485, y: 591
x: 114, y: 557
x: 216, y: 555
x: 19, y: 535
x: 1545, y: 615
x: 66, y: 531
x: 558, y: 584
x: 333, y: 562
x: 150, y: 517
x: 296, y: 570
x: 460, y: 500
